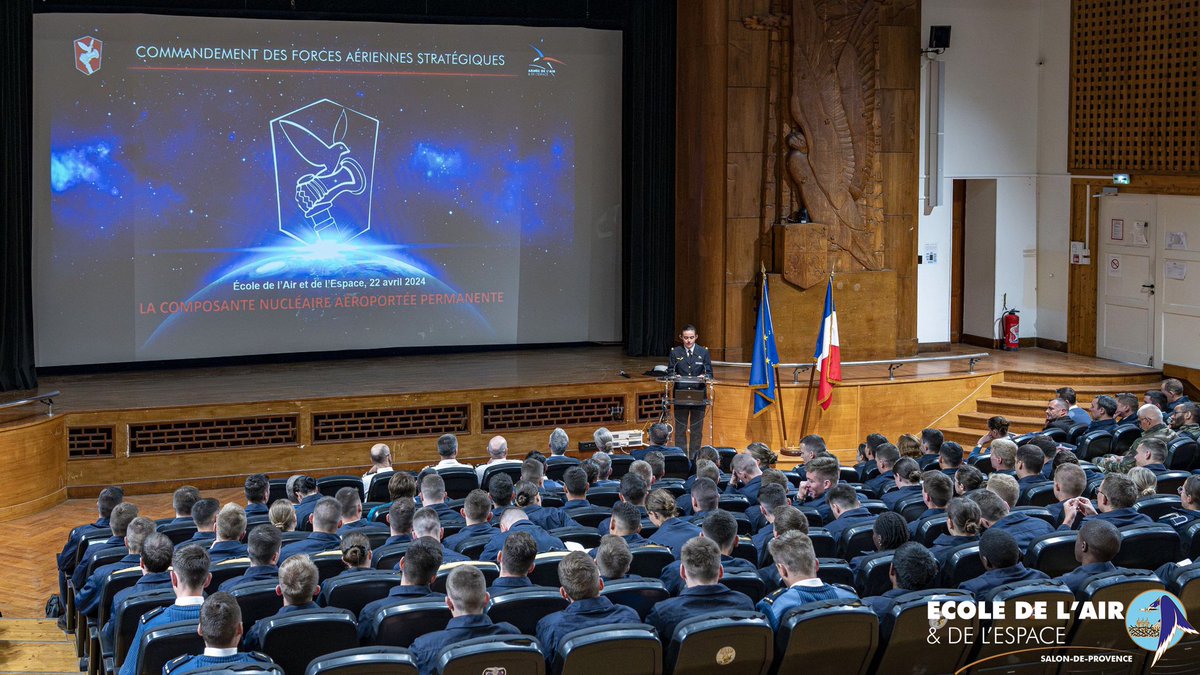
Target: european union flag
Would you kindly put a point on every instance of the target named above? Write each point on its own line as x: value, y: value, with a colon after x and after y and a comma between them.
x: 766, y: 357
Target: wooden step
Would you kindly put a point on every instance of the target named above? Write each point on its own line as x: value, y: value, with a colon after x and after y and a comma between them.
x: 1148, y: 379
x: 1017, y: 425
x: 1010, y: 407
x: 1043, y: 393
x: 35, y: 646
x: 963, y: 436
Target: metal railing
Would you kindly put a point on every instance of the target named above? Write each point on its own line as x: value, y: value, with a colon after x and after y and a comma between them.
x: 892, y: 364
x: 46, y: 399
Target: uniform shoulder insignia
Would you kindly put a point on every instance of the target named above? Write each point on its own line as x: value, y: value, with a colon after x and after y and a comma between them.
x: 176, y: 662
x: 260, y: 657
x: 774, y: 595
x: 152, y: 613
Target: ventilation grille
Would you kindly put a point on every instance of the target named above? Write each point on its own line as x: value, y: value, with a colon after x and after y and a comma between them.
x: 197, y: 435
x: 649, y: 406
x: 89, y: 442
x: 360, y: 425
x: 1135, y: 86
x: 556, y: 412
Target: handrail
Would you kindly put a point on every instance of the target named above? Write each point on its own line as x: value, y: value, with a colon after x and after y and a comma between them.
x: 46, y: 399
x: 892, y: 364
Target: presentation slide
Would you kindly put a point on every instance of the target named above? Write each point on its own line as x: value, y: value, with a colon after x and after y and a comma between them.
x: 208, y: 187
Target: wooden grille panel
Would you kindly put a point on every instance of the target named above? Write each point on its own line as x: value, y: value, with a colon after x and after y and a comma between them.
x: 649, y: 405
x: 554, y: 412
x: 1135, y: 75
x: 357, y: 425
x: 220, y: 434
x: 89, y: 442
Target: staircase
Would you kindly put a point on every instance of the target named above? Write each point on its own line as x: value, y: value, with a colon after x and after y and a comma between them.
x: 1021, y: 397
x: 35, y: 646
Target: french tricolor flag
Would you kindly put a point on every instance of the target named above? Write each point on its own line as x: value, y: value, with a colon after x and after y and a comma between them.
x: 828, y: 355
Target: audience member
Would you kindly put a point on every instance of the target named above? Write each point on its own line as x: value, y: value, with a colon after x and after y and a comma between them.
x: 381, y: 463
x: 221, y: 627
x: 477, y: 510
x: 1151, y: 455
x: 673, y: 531
x: 157, y: 551
x: 425, y: 523
x: 189, y: 577
x: 447, y: 450
x: 747, y: 477
x: 1006, y: 487
x: 1057, y: 415
x: 1001, y: 558
x: 325, y: 520
x: 231, y: 526
x: 1095, y: 547
x: 467, y: 598
x: 931, y: 447
x: 909, y: 446
x: 701, y: 573
x: 529, y: 499
x: 500, y: 490
x: 634, y: 490
x: 1114, y: 503
x: 400, y: 522
x: 659, y: 436
x: 283, y: 515
x: 1189, y: 505
x: 433, y: 496
x: 1173, y: 390
x: 305, y: 495
x: 613, y: 558
x: 720, y: 528
x: 886, y: 456
x: 105, y: 503
x: 575, y: 484
x: 847, y: 512
x: 580, y: 585
x: 797, y: 566
x: 822, y: 474
x: 994, y: 515
x: 514, y: 520
x: 262, y: 546
x: 906, y: 477
x: 1144, y: 481
x: 418, y: 569
x: 997, y: 429
x: 962, y: 527
x: 626, y: 523
x: 297, y: 586
x: 356, y: 556
x: 119, y: 519
x: 1069, y: 483
x: 762, y: 454
x: 1074, y: 412
x: 258, y: 491
x: 913, y: 568
x: 87, y: 598
x: 936, y: 490
x: 559, y: 442
x: 1127, y: 405
x: 497, y: 450
x: 1186, y: 420
x: 1030, y: 460
x: 967, y: 479
x: 1102, y: 410
x: 516, y: 561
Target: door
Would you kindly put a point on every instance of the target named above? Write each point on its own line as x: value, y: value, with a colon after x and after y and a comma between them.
x: 1126, y: 279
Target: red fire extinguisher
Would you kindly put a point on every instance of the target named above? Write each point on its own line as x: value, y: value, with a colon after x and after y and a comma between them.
x: 1012, y: 330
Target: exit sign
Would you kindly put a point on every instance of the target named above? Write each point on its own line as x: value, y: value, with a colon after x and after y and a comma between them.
x: 1120, y: 179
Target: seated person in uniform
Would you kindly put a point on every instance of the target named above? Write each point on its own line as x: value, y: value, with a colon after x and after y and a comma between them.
x: 418, y: 569
x: 613, y: 558
x: 204, y: 514
x: 626, y: 523
x: 513, y: 521
x: 400, y: 520
x: 534, y: 471
x: 1001, y: 557
x: 886, y: 456
x: 477, y: 510
x: 1114, y: 503
x: 913, y: 568
x: 936, y: 490
x: 528, y: 498
x: 1095, y: 547
x: 633, y: 491
x: 787, y: 519
x: 283, y: 515
x: 326, y: 517
x: 888, y: 533
x: 659, y: 435
x: 868, y: 467
x: 720, y: 527
x: 847, y: 512
x: 822, y: 473
x: 105, y: 503
x: 797, y: 566
x: 1006, y: 488
x: 231, y: 525
x: 1151, y: 454
x: 467, y: 598
x: 603, y: 462
x: 182, y: 501
x: 189, y: 577
x: 673, y: 530
x: 221, y: 628
x: 258, y: 490
x: 931, y: 447
x: 262, y: 546
x: 352, y: 511
x: 1069, y: 482
x: 657, y: 464
x: 497, y: 449
x: 1030, y: 460
x: 381, y: 463
x: 500, y: 490
x: 119, y: 519
x: 157, y: 551
x: 1004, y: 457
x: 967, y: 479
x: 425, y: 523
x: 770, y: 498
x: 906, y: 476
x: 516, y: 561
x: 701, y: 571
x: 356, y: 556
x: 298, y: 586
x: 433, y: 496
x: 962, y: 527
x: 575, y: 484
x: 747, y: 477
x: 305, y: 495
x: 994, y: 515
x: 87, y: 598
x: 558, y: 444
x: 580, y: 585
x: 950, y: 457
x: 402, y: 487
x: 1189, y: 505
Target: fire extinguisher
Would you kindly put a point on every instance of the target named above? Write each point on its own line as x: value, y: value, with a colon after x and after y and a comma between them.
x: 1012, y: 330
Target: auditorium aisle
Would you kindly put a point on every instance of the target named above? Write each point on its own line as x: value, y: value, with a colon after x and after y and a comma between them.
x: 35, y: 646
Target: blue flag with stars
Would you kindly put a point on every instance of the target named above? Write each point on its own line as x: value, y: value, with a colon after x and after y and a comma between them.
x: 766, y: 357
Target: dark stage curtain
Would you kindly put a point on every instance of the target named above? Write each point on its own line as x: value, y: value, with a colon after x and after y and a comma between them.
x: 16, y: 309
x: 649, y: 177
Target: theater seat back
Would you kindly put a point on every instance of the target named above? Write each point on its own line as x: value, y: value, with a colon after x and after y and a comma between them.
x: 740, y: 643
x: 908, y: 644
x: 498, y: 654
x: 376, y: 660
x: 628, y: 649
x: 849, y: 638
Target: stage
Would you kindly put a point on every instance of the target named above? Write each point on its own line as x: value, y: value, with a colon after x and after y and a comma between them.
x: 154, y: 430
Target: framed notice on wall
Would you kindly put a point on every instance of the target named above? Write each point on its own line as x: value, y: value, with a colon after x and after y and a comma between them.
x: 1118, y: 230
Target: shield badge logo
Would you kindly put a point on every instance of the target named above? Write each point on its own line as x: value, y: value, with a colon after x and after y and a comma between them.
x: 88, y: 54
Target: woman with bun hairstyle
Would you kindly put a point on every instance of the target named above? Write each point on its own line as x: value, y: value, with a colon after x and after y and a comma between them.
x: 356, y: 556
x: 907, y: 479
x: 762, y: 454
x: 673, y: 531
x: 962, y: 525
x: 283, y: 515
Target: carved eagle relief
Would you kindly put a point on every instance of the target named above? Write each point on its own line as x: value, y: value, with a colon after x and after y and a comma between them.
x: 833, y: 154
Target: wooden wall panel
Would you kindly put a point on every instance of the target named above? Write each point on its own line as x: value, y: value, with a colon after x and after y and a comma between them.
x: 1135, y: 86
x: 865, y: 333
x: 34, y: 456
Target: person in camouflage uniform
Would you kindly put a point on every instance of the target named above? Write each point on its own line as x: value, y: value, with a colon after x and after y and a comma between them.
x: 1150, y: 419
x: 1186, y: 419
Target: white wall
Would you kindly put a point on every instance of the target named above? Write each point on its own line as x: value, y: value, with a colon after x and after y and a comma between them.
x: 1005, y: 117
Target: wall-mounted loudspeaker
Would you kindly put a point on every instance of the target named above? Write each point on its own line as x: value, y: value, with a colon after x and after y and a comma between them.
x: 939, y: 37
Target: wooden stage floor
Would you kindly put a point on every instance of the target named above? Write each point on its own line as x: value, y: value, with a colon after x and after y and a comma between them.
x: 258, y: 383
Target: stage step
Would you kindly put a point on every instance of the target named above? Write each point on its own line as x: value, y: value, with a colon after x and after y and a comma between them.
x: 963, y: 436
x: 35, y: 646
x: 1042, y: 393
x: 1017, y: 425
x: 1148, y: 379
x: 1010, y: 407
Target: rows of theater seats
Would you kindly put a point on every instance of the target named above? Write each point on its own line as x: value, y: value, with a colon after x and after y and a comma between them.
x: 850, y: 636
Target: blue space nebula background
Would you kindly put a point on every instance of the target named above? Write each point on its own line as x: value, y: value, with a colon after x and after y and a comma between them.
x: 163, y: 182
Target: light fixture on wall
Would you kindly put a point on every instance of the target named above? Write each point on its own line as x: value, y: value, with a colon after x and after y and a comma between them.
x: 939, y: 40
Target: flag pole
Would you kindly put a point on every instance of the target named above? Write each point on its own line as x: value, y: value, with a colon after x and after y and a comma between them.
x: 812, y: 375
x: 779, y: 401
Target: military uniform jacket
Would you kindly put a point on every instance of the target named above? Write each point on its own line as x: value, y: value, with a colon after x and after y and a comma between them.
x: 151, y: 620
x: 428, y: 647
x: 186, y: 664
x: 699, y: 363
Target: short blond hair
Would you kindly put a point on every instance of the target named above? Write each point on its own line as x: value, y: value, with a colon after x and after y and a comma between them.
x: 298, y: 579
x: 1005, y: 487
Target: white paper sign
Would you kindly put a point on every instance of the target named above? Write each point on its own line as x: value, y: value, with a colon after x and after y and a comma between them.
x: 1176, y: 270
x: 1138, y: 233
x: 1118, y: 229
x: 1114, y: 266
x: 1177, y: 240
